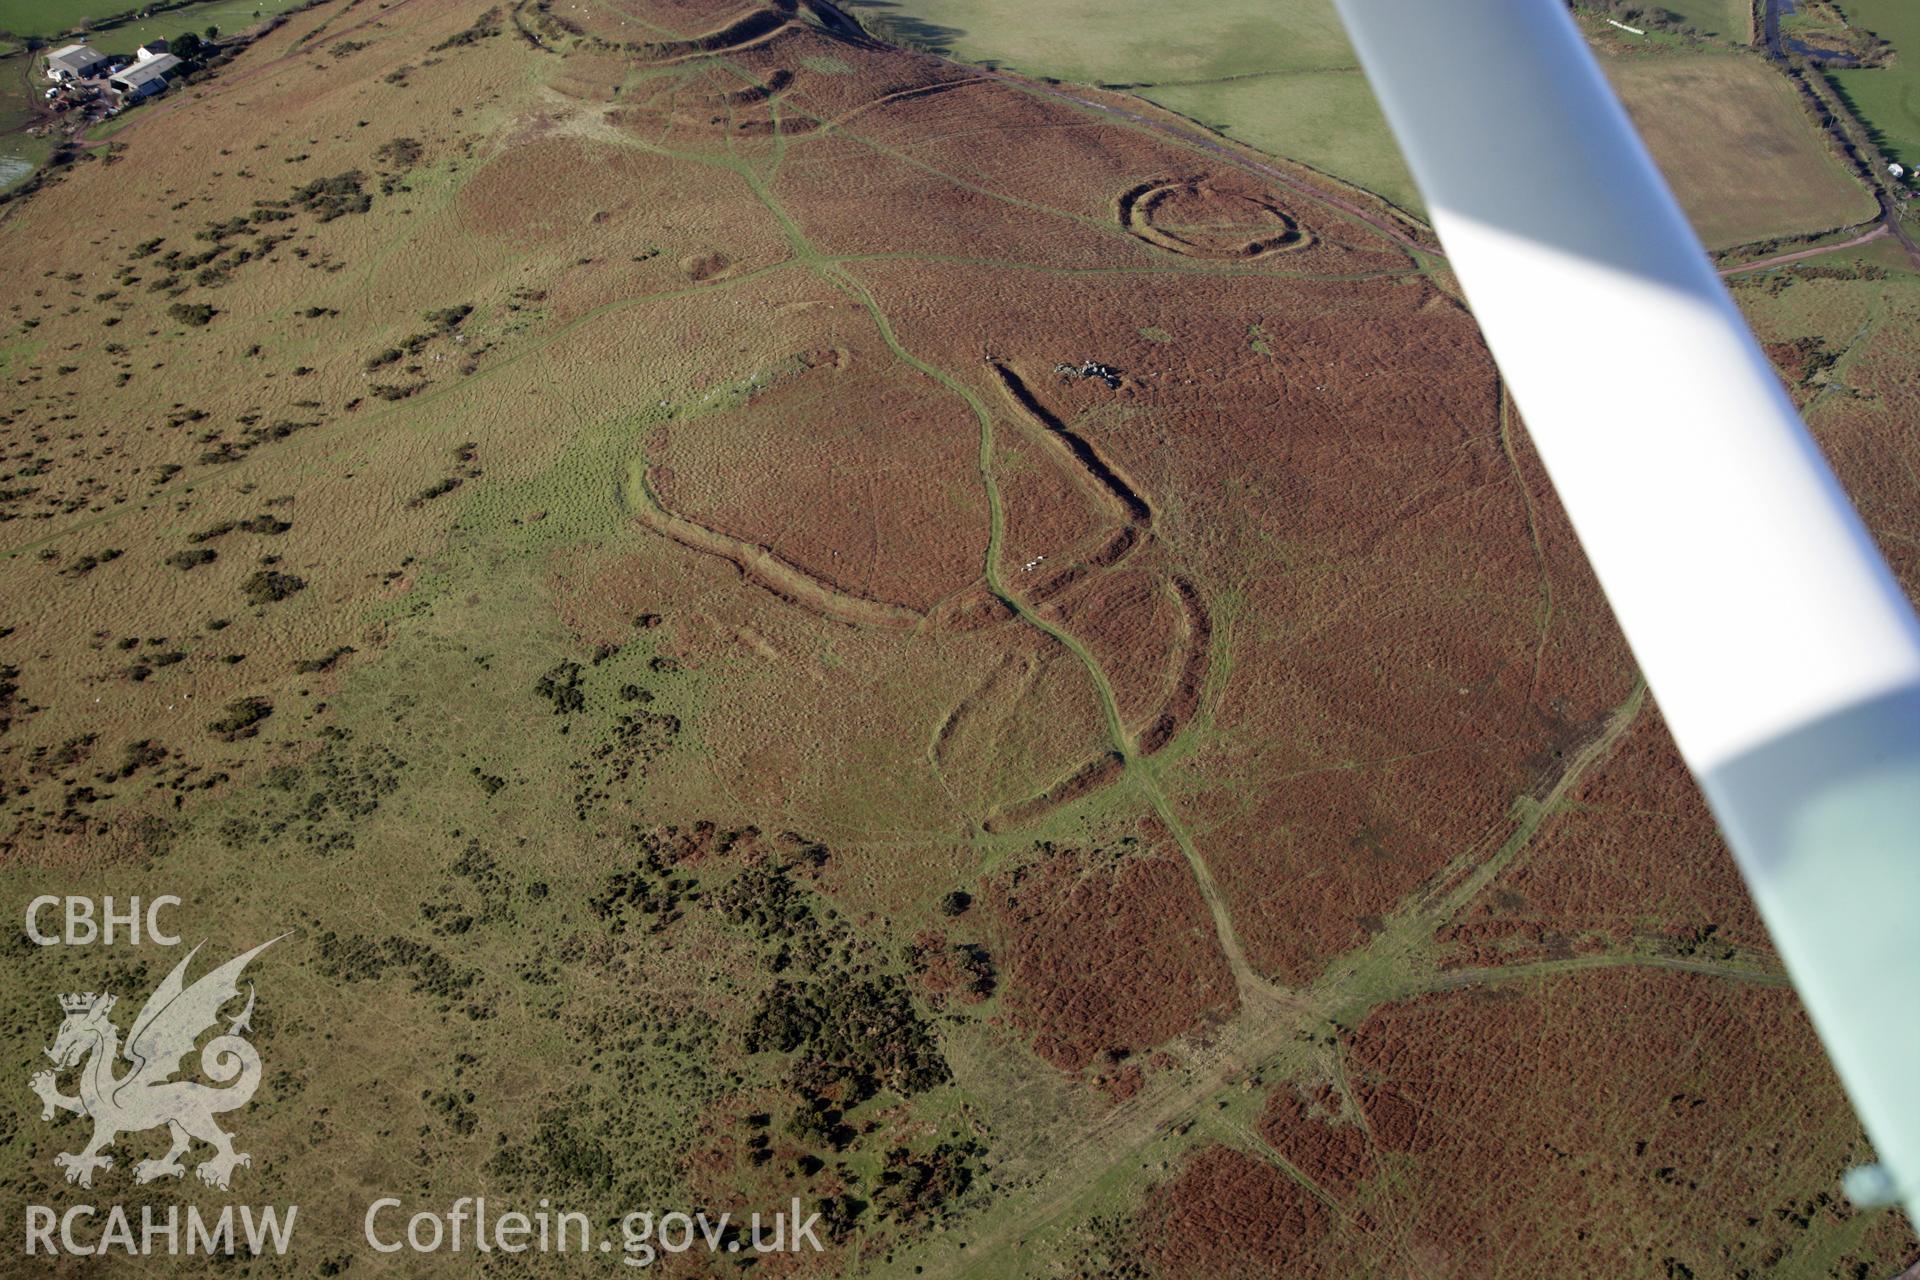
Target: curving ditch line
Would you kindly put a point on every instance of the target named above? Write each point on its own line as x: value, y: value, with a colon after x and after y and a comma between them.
x: 1127, y: 502
x: 898, y: 95
x: 1114, y: 486
x: 1254, y: 993
x: 760, y: 565
x: 1113, y: 549
x: 756, y: 26
x: 1107, y: 767
x: 1183, y: 700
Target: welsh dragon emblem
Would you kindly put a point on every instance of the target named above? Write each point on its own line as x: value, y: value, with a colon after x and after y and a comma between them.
x: 145, y: 1097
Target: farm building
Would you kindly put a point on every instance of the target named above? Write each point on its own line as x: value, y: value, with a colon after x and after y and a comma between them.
x: 144, y: 78
x: 151, y: 49
x: 76, y: 62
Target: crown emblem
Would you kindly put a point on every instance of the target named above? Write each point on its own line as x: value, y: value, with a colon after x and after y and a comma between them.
x: 83, y: 1003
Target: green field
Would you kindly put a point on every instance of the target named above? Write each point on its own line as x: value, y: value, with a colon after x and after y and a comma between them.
x: 229, y: 16
x: 1737, y: 147
x: 52, y: 17
x: 1888, y: 98
x: 49, y: 18
x: 1326, y: 118
x: 1123, y: 42
x: 1726, y: 19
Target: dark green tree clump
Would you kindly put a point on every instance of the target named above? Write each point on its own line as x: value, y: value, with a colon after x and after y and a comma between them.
x: 335, y: 197
x: 241, y: 719
x: 193, y: 557
x: 266, y: 586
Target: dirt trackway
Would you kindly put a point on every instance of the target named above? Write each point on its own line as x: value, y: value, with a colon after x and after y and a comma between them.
x: 1262, y: 1034
x: 1782, y: 259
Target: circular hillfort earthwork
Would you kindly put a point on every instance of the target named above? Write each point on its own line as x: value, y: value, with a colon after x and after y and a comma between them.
x: 1196, y: 217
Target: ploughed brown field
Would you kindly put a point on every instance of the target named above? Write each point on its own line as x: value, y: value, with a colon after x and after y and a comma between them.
x: 785, y: 617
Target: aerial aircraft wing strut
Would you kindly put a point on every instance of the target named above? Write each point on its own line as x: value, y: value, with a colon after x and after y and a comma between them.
x: 1783, y: 653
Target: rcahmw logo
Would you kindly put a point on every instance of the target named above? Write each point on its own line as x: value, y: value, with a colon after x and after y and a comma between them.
x: 145, y: 1095
x: 163, y: 1230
